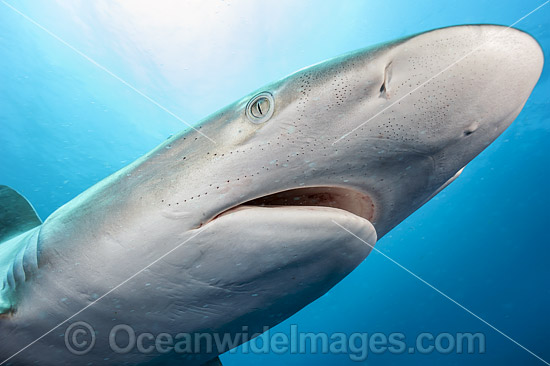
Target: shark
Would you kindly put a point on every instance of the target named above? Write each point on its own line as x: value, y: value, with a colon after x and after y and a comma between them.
x: 234, y: 237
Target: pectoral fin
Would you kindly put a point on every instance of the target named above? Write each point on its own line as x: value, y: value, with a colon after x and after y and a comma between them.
x: 16, y: 214
x: 17, y: 245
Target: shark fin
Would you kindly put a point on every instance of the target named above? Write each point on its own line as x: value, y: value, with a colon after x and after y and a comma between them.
x: 213, y: 362
x: 16, y: 214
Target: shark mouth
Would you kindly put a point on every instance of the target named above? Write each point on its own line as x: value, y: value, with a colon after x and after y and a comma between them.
x: 343, y: 198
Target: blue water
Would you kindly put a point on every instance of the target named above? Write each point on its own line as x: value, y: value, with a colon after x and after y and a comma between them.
x: 66, y: 124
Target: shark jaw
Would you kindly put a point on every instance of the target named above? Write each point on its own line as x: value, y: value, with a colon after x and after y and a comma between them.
x: 337, y: 198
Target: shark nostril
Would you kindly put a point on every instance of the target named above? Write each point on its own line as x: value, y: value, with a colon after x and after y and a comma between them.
x: 471, y: 129
x: 387, y: 77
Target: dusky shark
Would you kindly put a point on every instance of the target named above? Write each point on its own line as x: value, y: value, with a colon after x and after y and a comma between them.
x: 197, y: 237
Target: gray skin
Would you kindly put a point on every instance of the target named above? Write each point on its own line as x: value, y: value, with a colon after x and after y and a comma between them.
x: 258, y: 256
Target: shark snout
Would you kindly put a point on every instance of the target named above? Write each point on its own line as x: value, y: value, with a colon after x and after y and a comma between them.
x: 492, y: 83
x: 458, y: 89
x: 497, y: 74
x: 510, y: 63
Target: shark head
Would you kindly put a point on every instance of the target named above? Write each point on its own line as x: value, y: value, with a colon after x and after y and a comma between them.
x: 375, y: 132
x: 248, y: 222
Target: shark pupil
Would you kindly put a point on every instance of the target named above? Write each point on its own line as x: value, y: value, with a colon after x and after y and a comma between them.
x: 260, y: 107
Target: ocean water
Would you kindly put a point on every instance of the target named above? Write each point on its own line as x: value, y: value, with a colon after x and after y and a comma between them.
x: 68, y: 118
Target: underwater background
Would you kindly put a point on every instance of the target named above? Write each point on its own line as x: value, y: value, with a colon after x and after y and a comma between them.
x: 72, y: 111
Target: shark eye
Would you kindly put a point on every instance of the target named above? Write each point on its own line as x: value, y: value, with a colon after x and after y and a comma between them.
x: 260, y: 108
